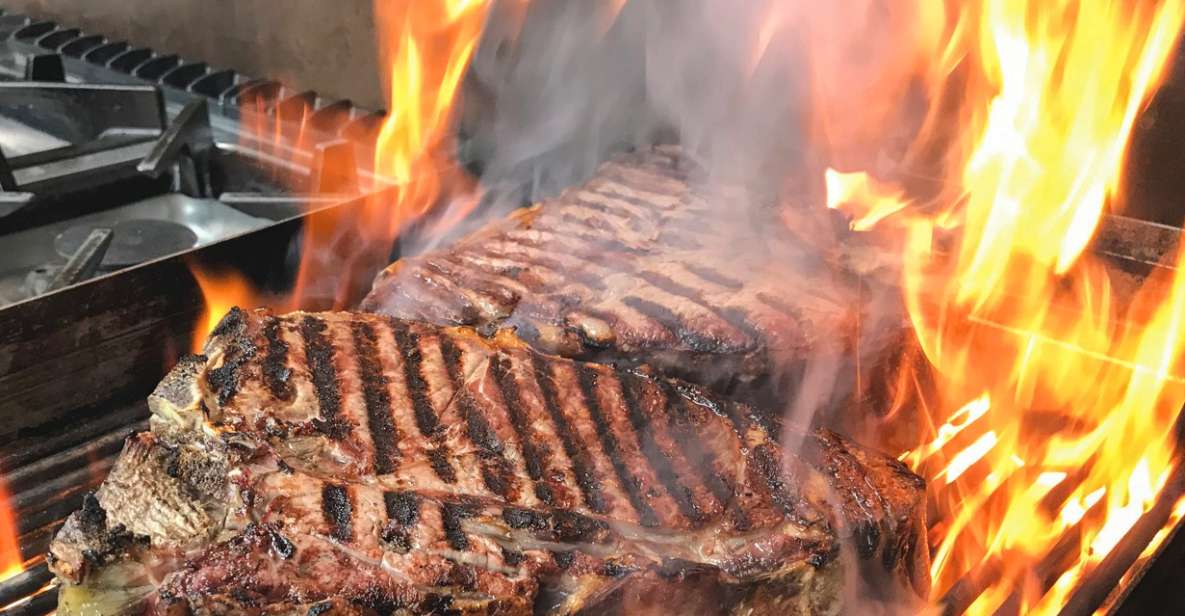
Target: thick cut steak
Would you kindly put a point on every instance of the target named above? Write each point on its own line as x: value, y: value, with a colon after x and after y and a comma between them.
x: 343, y: 463
x: 637, y: 267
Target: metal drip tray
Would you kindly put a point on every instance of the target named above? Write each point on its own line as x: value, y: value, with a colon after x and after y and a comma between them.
x: 29, y: 258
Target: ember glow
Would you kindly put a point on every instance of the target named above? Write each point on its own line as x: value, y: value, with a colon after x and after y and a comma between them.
x: 1074, y: 391
x: 425, y: 47
x: 10, y: 553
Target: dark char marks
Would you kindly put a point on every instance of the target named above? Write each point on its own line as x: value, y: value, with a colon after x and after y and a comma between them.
x: 708, y: 274
x: 428, y: 423
x: 451, y: 515
x: 563, y: 559
x: 224, y: 380
x: 403, y: 508
x: 668, y: 318
x: 377, y: 397
x: 582, y: 467
x: 276, y: 372
x: 764, y: 459
x: 512, y: 558
x: 496, y: 471
x: 588, y: 378
x: 684, y: 429
x: 417, y: 385
x: 769, y: 466
x: 533, y: 456
x: 339, y: 511
x: 438, y: 458
x: 319, y: 356
x: 632, y: 391
x: 232, y: 323
x: 557, y: 526
x: 601, y: 208
x: 534, y: 261
x: 828, y: 455
x: 736, y: 317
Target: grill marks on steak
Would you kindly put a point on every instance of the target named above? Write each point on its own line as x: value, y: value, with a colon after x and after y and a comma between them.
x: 375, y: 389
x: 436, y: 544
x: 461, y: 474
x: 541, y: 432
x: 492, y: 420
x: 617, y: 270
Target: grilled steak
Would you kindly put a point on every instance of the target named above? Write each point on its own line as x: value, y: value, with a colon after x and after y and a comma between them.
x: 635, y: 267
x: 346, y: 463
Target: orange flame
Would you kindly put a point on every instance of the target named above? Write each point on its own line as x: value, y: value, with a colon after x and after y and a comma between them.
x: 426, y: 47
x: 11, y: 562
x: 221, y: 292
x: 1075, y: 389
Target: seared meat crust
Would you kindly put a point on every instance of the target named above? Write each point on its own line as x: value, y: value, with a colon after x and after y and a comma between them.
x: 637, y: 267
x: 362, y: 464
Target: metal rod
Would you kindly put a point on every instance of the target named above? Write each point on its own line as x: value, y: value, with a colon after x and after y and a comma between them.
x: 1103, y: 357
x: 188, y: 136
x: 57, y: 499
x: 79, y: 431
x: 41, y: 604
x: 35, y: 544
x: 1046, y: 572
x: 334, y: 168
x: 25, y: 583
x: 967, y: 589
x: 33, y: 474
x: 1095, y: 586
x: 85, y: 261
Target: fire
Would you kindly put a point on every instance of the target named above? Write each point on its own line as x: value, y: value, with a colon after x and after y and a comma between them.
x: 426, y: 47
x: 850, y: 191
x: 11, y: 562
x: 1074, y: 390
x: 221, y: 291
x: 1056, y: 398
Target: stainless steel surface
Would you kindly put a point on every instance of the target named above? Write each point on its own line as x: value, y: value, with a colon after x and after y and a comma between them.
x: 80, y: 112
x: 85, y: 261
x: 114, y: 157
x: 23, y: 253
x: 18, y: 139
x: 309, y: 44
x: 136, y: 241
x: 185, y: 146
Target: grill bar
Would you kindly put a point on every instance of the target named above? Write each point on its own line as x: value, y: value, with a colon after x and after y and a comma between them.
x: 50, y: 473
x: 1096, y: 586
x: 25, y: 584
x: 40, y: 604
x: 101, y: 447
x: 32, y: 446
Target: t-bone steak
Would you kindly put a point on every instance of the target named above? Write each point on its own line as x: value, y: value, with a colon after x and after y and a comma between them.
x: 636, y: 266
x: 342, y: 463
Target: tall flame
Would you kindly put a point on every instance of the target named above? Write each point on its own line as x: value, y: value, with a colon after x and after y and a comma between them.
x: 1075, y: 390
x: 426, y: 46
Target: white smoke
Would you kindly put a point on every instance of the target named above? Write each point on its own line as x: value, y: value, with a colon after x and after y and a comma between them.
x: 557, y: 86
